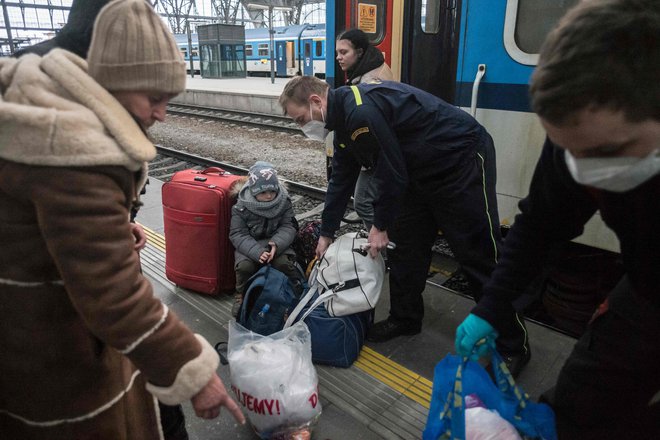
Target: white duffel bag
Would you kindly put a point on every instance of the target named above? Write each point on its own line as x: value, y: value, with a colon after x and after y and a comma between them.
x: 351, y: 279
x: 274, y: 380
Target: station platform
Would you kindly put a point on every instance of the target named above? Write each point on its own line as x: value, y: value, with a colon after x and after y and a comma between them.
x: 386, y: 393
x: 258, y: 85
x: 252, y: 94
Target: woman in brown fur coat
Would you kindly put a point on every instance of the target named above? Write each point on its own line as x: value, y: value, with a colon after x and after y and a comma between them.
x: 85, y: 347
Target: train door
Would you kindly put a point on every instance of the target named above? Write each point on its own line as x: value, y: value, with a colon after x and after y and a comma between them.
x: 308, y: 57
x: 290, y: 56
x: 430, y: 41
x: 280, y: 60
x: 374, y: 18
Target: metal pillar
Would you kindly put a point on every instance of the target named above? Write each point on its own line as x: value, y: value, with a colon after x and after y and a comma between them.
x: 190, y: 52
x: 271, y: 32
x: 7, y: 26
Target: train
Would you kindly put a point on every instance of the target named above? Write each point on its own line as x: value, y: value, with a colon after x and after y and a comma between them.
x: 477, y: 55
x: 299, y: 50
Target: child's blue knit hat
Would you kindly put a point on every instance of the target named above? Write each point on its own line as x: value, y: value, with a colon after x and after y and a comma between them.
x: 263, y: 177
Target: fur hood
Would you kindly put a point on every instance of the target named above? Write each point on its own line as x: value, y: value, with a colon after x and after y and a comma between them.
x: 53, y: 113
x: 237, y: 186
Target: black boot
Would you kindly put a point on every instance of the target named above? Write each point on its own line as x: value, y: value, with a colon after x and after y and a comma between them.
x: 515, y: 362
x: 385, y: 330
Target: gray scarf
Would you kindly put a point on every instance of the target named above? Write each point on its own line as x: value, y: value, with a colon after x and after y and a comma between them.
x: 270, y: 209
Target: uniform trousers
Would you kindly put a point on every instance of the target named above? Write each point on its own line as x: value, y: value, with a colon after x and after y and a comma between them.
x: 462, y: 204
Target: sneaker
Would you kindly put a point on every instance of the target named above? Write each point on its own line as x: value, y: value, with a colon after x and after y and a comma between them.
x: 238, y: 301
x: 385, y: 330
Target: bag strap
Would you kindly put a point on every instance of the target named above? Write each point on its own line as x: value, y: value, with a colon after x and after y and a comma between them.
x: 314, y: 287
x: 213, y: 170
x: 453, y: 413
x: 320, y: 300
x: 505, y: 381
x: 301, y: 305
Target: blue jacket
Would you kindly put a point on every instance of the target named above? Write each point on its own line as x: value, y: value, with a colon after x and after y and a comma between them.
x: 411, y: 139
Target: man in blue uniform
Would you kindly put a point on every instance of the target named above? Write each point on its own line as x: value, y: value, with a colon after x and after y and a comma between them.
x: 603, y: 154
x: 433, y: 169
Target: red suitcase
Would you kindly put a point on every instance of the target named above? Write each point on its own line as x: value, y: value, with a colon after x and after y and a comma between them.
x: 197, y: 213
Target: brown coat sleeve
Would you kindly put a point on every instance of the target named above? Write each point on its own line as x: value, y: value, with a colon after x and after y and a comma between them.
x: 83, y: 216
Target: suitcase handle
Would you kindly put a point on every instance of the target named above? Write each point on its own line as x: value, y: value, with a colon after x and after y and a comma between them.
x: 214, y: 170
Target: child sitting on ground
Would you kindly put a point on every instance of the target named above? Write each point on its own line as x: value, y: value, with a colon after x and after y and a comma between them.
x: 262, y: 228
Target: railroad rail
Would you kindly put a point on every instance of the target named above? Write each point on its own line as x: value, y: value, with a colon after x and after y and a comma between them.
x: 186, y: 159
x: 272, y: 122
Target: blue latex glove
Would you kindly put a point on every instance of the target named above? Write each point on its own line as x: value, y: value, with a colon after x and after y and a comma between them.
x: 475, y: 337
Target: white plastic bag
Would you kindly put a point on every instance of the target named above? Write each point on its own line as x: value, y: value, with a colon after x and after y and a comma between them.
x: 484, y: 424
x: 274, y: 380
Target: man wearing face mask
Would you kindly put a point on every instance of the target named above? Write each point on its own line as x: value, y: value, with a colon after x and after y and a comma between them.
x: 433, y: 169
x: 603, y: 154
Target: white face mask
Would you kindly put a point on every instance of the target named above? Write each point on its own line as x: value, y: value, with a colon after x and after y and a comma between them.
x: 315, y: 129
x: 617, y: 174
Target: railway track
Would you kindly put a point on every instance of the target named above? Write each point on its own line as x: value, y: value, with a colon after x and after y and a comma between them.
x: 307, y: 200
x: 271, y: 122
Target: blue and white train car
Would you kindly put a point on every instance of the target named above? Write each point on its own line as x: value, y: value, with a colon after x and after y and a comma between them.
x: 286, y: 40
x: 312, y: 50
x: 299, y: 50
x: 182, y: 42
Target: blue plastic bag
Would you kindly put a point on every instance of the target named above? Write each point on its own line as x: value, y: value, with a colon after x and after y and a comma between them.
x: 456, y: 377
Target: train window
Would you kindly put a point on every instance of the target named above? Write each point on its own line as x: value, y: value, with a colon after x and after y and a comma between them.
x: 248, y: 50
x: 526, y: 25
x: 319, y: 49
x: 308, y: 50
x: 263, y: 49
x: 430, y: 16
x: 369, y: 15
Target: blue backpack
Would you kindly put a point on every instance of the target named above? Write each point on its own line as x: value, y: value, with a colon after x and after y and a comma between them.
x: 269, y: 300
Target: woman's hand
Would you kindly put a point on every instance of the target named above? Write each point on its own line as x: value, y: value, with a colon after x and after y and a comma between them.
x: 211, y: 398
x: 140, y: 236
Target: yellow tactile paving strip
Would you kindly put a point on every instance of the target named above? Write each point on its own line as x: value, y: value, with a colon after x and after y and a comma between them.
x: 397, y: 377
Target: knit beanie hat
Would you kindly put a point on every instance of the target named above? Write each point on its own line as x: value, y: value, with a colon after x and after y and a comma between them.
x: 262, y: 177
x: 133, y: 50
